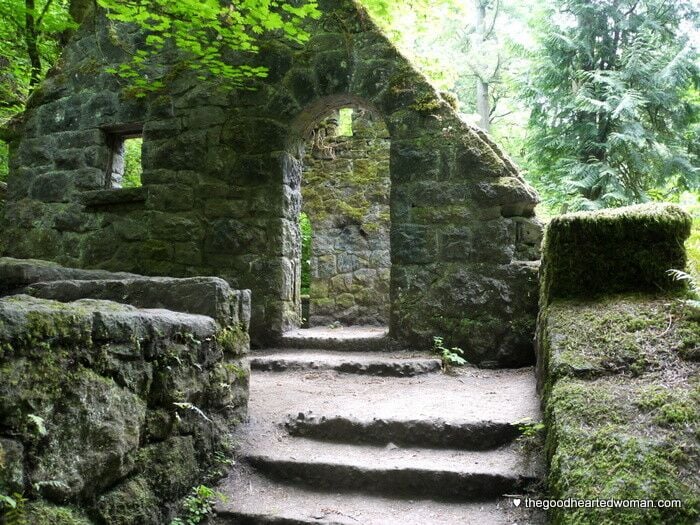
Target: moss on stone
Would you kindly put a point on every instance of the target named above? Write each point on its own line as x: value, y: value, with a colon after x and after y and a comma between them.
x: 234, y: 340
x: 628, y: 334
x: 42, y: 513
x: 625, y: 249
x: 130, y: 502
x: 622, y: 406
x: 604, y: 443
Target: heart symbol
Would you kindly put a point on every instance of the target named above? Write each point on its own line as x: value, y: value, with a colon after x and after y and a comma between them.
x: 516, y: 502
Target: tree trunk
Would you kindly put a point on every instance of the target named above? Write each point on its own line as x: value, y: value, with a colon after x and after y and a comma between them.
x: 483, y: 105
x: 30, y: 39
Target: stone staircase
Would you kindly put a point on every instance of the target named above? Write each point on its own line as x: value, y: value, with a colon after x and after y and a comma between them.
x: 340, y: 433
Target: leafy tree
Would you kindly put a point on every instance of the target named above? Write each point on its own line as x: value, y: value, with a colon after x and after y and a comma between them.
x: 614, y: 99
x: 31, y: 32
x: 204, y: 31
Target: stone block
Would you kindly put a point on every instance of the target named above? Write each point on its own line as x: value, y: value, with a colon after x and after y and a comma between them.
x: 412, y: 244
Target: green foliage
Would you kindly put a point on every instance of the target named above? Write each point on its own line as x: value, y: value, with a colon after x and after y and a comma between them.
x: 31, y: 39
x: 234, y: 340
x: 38, y: 423
x: 4, y: 160
x: 615, y: 103
x: 306, y: 234
x: 198, y: 506
x: 13, y: 509
x: 203, y: 31
x: 132, y: 163
x: 450, y: 356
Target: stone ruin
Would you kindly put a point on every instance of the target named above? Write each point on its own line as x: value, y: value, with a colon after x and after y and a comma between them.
x: 222, y: 189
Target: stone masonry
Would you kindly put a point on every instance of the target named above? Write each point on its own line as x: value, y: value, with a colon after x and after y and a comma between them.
x: 345, y: 192
x: 112, y: 412
x: 221, y: 183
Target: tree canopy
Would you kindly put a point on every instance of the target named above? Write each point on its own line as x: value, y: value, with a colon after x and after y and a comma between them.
x: 614, y: 102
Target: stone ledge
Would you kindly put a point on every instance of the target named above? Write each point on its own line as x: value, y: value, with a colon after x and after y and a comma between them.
x: 210, y: 296
x: 113, y: 197
x: 614, y: 251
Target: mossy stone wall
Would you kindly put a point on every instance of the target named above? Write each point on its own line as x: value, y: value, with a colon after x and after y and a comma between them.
x: 618, y: 374
x: 111, y: 414
x: 618, y: 250
x: 222, y: 173
x: 345, y: 192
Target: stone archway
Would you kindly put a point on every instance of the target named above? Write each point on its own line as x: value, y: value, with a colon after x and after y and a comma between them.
x: 219, y: 176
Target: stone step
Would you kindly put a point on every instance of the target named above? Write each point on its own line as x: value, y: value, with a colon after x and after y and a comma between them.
x: 394, y: 471
x: 435, y: 433
x: 395, y: 364
x: 469, y: 395
x: 353, y: 339
x: 257, y: 500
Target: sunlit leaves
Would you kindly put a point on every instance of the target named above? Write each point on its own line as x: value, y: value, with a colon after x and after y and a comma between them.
x: 203, y: 31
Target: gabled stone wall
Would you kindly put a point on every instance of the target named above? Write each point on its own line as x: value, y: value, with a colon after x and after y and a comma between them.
x: 221, y: 184
x: 345, y: 192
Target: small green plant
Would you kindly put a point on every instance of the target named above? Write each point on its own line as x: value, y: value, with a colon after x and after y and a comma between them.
x: 450, y: 356
x: 12, y: 509
x: 693, y: 302
x: 198, y: 506
x: 193, y: 408
x: 38, y: 424
x: 531, y: 437
x: 693, y: 286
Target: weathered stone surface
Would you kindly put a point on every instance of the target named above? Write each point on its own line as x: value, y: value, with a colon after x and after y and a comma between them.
x: 87, y: 386
x: 345, y: 190
x: 207, y: 296
x: 11, y: 466
x: 18, y: 273
x: 618, y: 250
x: 130, y: 502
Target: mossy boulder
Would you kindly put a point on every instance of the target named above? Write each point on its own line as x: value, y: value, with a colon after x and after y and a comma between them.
x: 130, y: 502
x: 610, y: 251
x: 42, y: 513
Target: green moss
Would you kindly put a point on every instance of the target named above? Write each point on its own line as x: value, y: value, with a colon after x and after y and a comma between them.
x: 670, y: 407
x: 42, y: 513
x: 234, y: 340
x: 170, y: 467
x: 628, y: 334
x: 130, y: 502
x: 604, y: 440
x: 606, y: 463
x: 625, y: 249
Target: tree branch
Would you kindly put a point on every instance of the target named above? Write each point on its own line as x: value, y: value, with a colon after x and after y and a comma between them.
x: 43, y: 13
x: 489, y: 32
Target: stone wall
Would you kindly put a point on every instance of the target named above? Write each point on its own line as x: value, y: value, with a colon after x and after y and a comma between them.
x: 221, y: 183
x: 111, y: 413
x: 618, y: 372
x: 345, y: 192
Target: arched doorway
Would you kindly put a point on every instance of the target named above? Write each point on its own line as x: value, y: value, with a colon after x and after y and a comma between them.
x: 345, y: 224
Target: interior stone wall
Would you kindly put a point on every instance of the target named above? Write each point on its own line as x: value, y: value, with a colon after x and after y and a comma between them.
x: 222, y: 173
x: 345, y: 193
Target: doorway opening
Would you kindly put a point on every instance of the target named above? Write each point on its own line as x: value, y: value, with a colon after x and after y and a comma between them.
x: 345, y: 222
